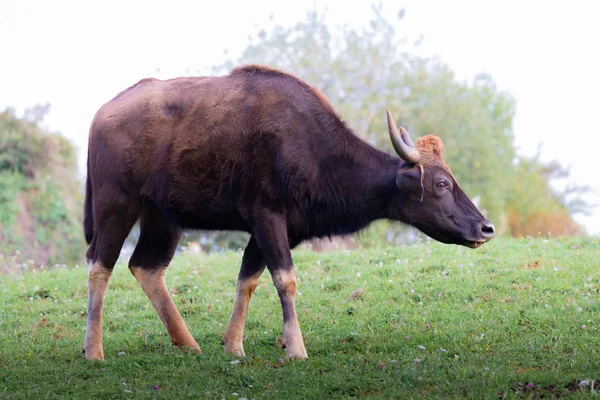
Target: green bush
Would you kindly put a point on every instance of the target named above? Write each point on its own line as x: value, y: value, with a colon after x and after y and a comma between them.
x: 11, y: 183
x: 40, y: 199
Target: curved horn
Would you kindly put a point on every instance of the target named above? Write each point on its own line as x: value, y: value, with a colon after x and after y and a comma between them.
x: 402, y: 142
x: 406, y: 137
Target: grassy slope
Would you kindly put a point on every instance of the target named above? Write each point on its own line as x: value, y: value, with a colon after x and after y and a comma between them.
x: 433, y: 320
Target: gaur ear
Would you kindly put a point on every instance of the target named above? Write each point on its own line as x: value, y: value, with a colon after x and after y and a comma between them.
x: 408, y: 177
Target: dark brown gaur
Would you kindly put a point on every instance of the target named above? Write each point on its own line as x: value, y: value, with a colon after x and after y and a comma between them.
x: 259, y: 151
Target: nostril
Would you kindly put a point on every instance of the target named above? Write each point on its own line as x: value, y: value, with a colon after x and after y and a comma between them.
x: 488, y: 228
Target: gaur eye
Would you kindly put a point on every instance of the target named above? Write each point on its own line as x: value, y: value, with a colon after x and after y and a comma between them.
x: 441, y: 185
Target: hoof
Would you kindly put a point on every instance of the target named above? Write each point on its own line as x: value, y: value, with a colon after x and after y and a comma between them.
x: 237, y: 351
x: 94, y: 355
x: 296, y: 352
x: 191, y: 349
x: 297, y: 356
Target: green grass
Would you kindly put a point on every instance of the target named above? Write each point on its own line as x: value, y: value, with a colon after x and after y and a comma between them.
x: 433, y: 321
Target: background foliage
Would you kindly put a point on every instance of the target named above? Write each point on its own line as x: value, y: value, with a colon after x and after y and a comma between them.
x: 40, y: 200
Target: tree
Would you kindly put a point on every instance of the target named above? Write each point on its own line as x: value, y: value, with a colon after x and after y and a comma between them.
x: 535, y: 208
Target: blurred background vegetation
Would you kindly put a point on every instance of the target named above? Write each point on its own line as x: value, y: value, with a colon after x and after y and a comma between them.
x: 363, y: 73
x: 40, y: 193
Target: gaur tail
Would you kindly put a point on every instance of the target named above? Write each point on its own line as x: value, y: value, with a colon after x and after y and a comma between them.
x: 88, y: 218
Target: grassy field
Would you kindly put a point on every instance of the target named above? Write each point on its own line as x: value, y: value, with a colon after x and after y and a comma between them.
x: 513, y: 319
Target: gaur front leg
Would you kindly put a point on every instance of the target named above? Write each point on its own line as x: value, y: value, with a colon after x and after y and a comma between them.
x: 253, y: 266
x: 285, y: 283
x: 272, y: 239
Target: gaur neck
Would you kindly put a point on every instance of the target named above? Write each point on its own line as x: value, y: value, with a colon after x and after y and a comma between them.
x: 357, y: 194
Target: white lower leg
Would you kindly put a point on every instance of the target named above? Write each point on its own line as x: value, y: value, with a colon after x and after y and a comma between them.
x: 98, y: 277
x: 234, y: 334
x: 154, y: 285
x: 285, y: 282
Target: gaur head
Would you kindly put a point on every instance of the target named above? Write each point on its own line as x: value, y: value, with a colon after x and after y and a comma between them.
x: 428, y: 196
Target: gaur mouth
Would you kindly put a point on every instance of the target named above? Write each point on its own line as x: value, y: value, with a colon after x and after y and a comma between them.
x: 474, y: 243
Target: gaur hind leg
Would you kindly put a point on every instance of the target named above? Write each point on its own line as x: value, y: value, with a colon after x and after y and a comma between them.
x: 271, y: 236
x: 113, y: 219
x: 253, y: 266
x: 149, y: 261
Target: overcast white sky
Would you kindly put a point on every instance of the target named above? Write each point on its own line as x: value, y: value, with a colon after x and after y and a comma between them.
x: 77, y: 55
